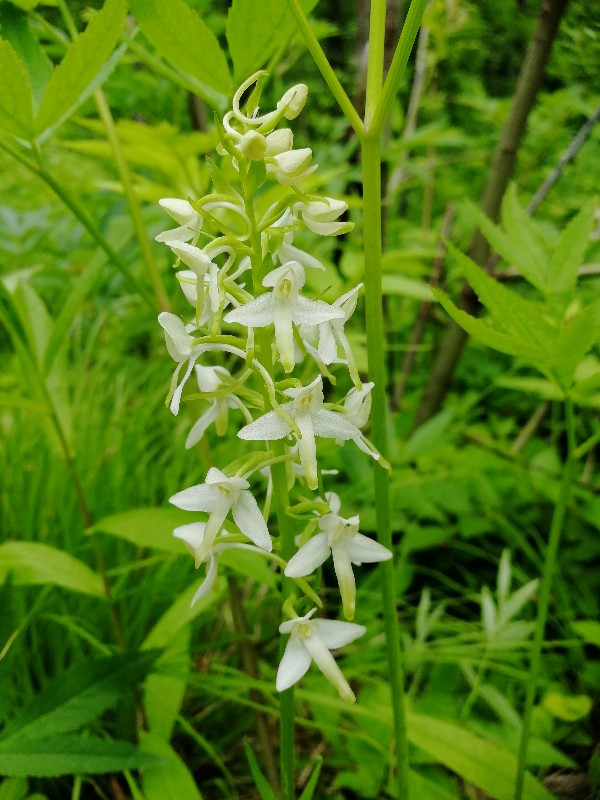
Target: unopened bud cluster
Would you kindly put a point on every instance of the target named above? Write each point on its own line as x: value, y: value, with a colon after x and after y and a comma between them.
x: 245, y: 278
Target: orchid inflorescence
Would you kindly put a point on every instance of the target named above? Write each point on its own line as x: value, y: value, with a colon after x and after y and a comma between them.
x: 243, y: 274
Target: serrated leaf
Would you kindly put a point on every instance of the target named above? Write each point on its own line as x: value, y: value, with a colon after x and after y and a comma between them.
x: 70, y: 755
x: 510, y: 251
x: 179, y: 35
x: 33, y: 563
x: 86, y: 64
x: 171, y: 778
x: 569, y: 251
x: 484, y: 333
x: 479, y: 761
x: 16, y: 98
x: 15, y: 28
x: 255, y: 35
x: 78, y: 696
x: 524, y: 233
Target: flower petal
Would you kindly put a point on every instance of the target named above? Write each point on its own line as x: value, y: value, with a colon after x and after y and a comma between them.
x: 363, y: 550
x: 327, y: 343
x: 294, y: 664
x: 314, y: 312
x: 176, y: 399
x: 333, y: 425
x: 201, y: 497
x: 326, y: 663
x: 209, y: 579
x: 248, y: 518
x: 310, y: 556
x: 266, y: 428
x: 199, y: 427
x: 255, y: 314
x: 192, y: 534
x: 335, y: 633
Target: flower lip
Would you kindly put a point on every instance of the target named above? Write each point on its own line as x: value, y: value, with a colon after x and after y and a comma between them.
x: 288, y: 625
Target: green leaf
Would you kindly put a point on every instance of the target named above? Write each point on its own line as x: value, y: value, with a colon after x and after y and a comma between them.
x: 69, y: 755
x: 180, y: 36
x: 262, y: 784
x: 13, y: 789
x: 589, y: 630
x: 15, y: 28
x: 477, y: 760
x: 407, y: 287
x: 569, y: 251
x: 78, y: 696
x: 309, y: 789
x: 524, y: 233
x: 87, y: 63
x: 164, y: 689
x: 33, y: 563
x: 169, y: 779
x: 149, y: 527
x: 253, y: 36
x: 568, y: 708
x: 16, y: 98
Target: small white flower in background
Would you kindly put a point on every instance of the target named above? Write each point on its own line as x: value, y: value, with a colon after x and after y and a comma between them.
x: 211, y: 379
x: 319, y: 216
x: 312, y: 419
x: 312, y: 640
x: 189, y: 219
x: 283, y: 307
x: 180, y: 344
x: 339, y: 538
x: 217, y: 496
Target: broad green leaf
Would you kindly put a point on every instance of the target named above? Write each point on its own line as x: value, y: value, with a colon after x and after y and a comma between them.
x: 589, y: 630
x: 15, y: 28
x: 16, y: 99
x: 180, y: 36
x: 568, y: 708
x: 485, y: 334
x: 78, y: 696
x: 164, y: 689
x: 567, y: 255
x: 524, y: 233
x: 85, y: 66
x: 477, y: 760
x: 425, y: 789
x: 69, y: 755
x: 34, y: 563
x: 13, y: 789
x: 506, y: 248
x: 407, y: 287
x: 149, y: 527
x: 254, y: 34
x: 169, y: 779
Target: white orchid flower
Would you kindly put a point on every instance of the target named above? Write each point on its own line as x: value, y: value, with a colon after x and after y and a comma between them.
x: 279, y: 142
x: 319, y: 216
x: 283, y: 307
x: 306, y: 409
x: 357, y: 404
x: 218, y: 496
x: 312, y: 640
x: 180, y: 344
x: 288, y: 252
x: 189, y: 219
x: 332, y: 334
x: 291, y: 165
x: 339, y: 538
x: 201, y: 265
x: 210, y: 379
x: 194, y: 535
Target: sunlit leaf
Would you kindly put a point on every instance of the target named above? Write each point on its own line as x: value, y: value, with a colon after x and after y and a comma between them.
x: 33, y: 563
x: 16, y: 99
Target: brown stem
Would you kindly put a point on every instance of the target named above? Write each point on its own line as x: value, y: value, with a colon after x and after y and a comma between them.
x: 503, y: 164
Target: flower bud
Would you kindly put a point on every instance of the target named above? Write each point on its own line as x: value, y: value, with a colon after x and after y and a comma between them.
x: 279, y: 142
x: 253, y: 145
x: 293, y: 101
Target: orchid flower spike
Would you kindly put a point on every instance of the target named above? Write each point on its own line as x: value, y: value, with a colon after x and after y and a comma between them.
x: 306, y: 409
x: 283, y: 307
x: 189, y: 219
x: 210, y: 379
x: 339, y: 538
x: 312, y: 640
x: 218, y: 496
x: 180, y: 344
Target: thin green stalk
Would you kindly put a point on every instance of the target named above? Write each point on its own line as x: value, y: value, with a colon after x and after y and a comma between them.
x: 556, y: 527
x: 371, y: 160
x: 80, y: 214
x: 320, y: 59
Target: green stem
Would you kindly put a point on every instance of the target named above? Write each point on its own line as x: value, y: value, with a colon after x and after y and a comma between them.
x: 556, y: 527
x: 320, y: 59
x: 79, y: 213
x: 371, y: 160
